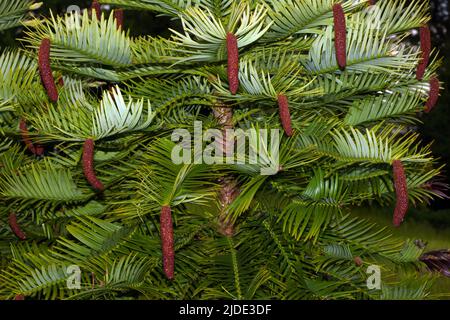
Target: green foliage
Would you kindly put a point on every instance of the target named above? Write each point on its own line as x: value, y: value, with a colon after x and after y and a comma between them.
x: 292, y: 235
x: 15, y: 12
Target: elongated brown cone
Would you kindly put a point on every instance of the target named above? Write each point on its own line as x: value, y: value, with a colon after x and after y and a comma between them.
x: 233, y: 62
x: 98, y: 10
x: 433, y: 96
x: 45, y: 70
x: 118, y: 15
x: 35, y: 149
x: 14, y: 225
x: 340, y: 36
x: 167, y: 243
x: 285, y: 116
x: 401, y: 191
x: 425, y: 47
x: 88, y: 165
x: 19, y: 297
x: 229, y: 187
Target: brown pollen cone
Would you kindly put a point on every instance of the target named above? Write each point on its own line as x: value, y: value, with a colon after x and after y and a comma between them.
x: 233, y: 62
x: 425, y: 47
x: 167, y: 242
x: 45, y: 70
x: 433, y: 96
x: 88, y: 165
x: 285, y: 115
x: 14, y: 225
x: 229, y: 187
x: 227, y: 194
x: 340, y: 36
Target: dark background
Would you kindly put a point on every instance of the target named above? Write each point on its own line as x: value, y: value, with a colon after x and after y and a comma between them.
x: 435, y: 127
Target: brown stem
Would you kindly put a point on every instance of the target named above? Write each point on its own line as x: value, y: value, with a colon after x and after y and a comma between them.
x: 14, y: 225
x: 425, y: 47
x: 358, y: 261
x: 285, y: 116
x: 229, y: 190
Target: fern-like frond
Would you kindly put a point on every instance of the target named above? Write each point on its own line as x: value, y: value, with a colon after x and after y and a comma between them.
x: 367, y: 51
x: 375, y: 108
x: 115, y: 116
x: 164, y: 7
x: 297, y: 17
x: 204, y: 35
x: 42, y: 183
x: 81, y: 39
x: 14, y: 12
x: 17, y: 72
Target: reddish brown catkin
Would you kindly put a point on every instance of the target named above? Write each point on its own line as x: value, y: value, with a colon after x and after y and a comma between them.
x: 401, y: 191
x: 433, y: 95
x: 46, y: 71
x: 340, y: 36
x: 425, y: 47
x: 167, y: 245
x: 19, y: 297
x: 14, y: 225
x: 35, y: 149
x: 98, y: 10
x: 372, y: 2
x: 233, y: 62
x: 118, y: 15
x: 285, y: 115
x: 88, y: 165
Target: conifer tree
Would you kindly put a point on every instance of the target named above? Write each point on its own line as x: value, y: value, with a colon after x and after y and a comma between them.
x: 88, y: 182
